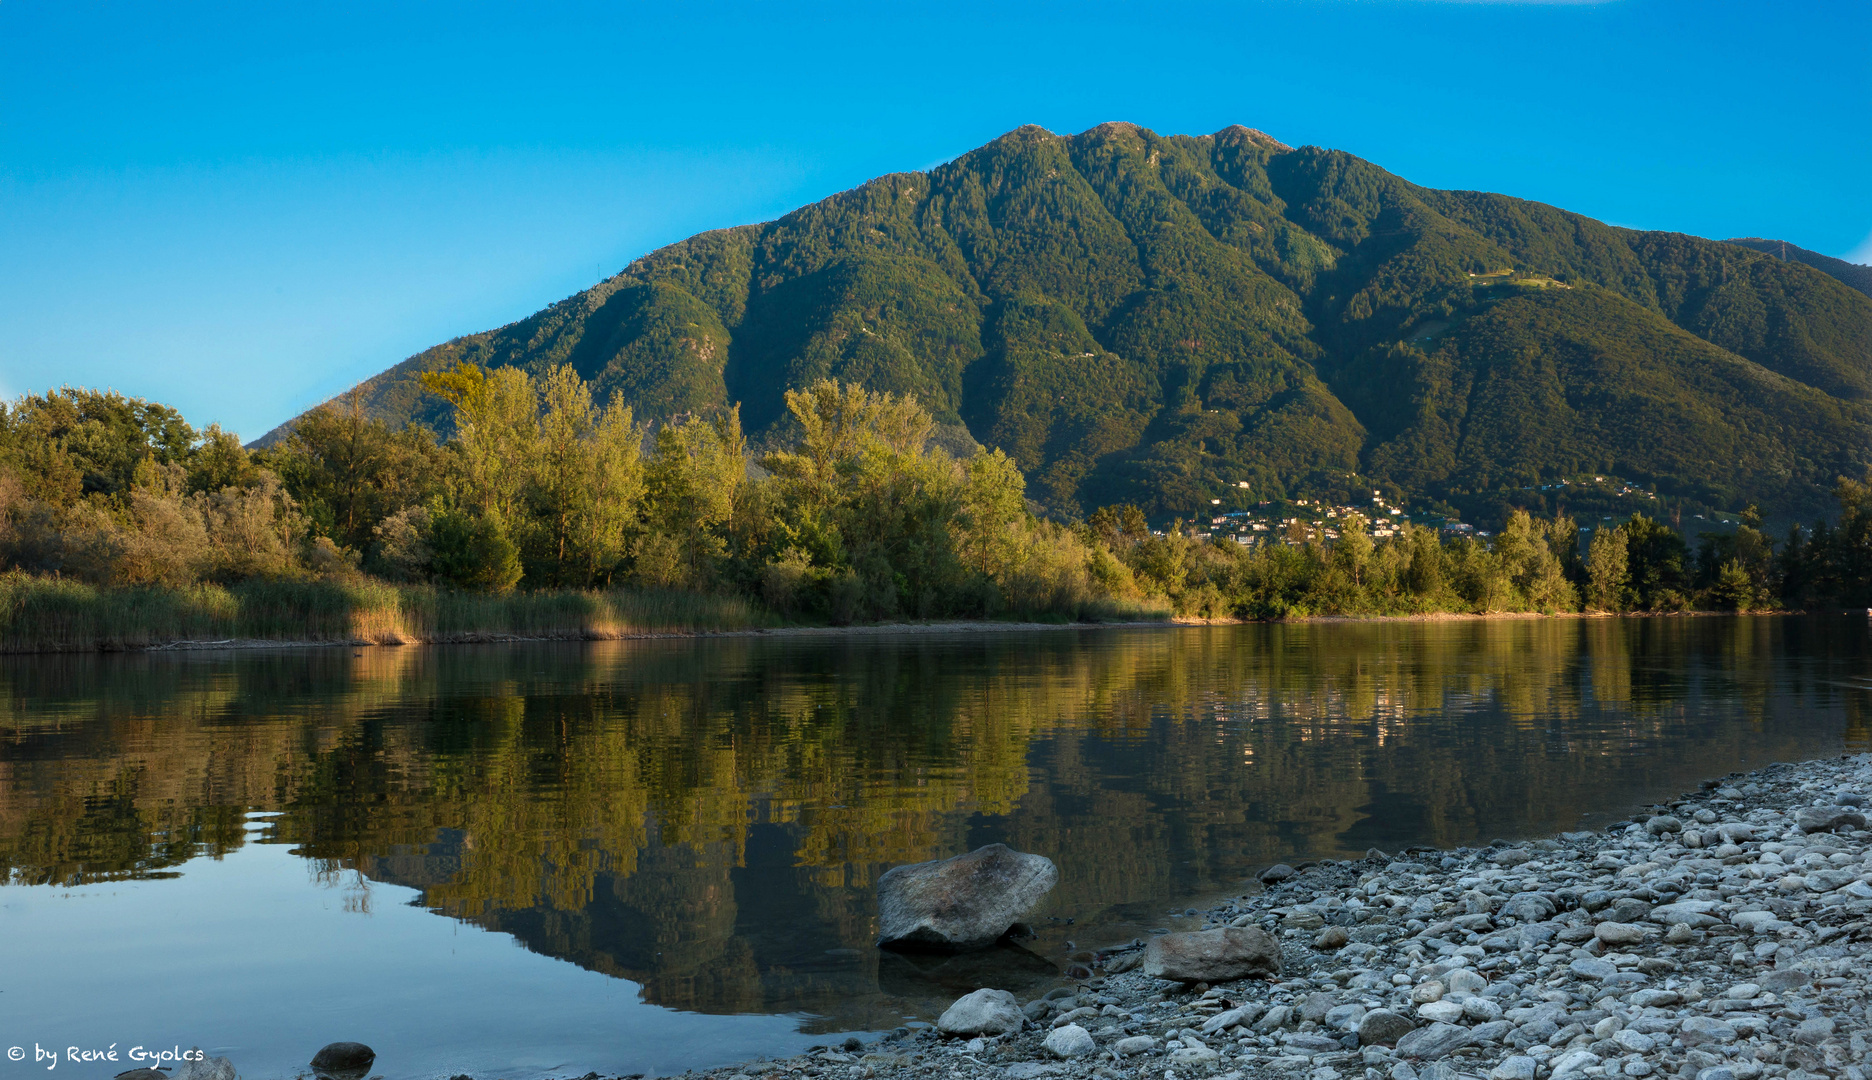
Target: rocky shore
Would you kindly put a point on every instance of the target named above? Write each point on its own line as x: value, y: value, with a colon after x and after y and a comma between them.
x: 1726, y: 935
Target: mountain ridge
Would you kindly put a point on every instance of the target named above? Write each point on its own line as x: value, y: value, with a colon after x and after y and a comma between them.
x: 1171, y: 320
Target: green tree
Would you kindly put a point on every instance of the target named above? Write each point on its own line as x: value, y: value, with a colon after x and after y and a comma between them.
x: 1606, y: 569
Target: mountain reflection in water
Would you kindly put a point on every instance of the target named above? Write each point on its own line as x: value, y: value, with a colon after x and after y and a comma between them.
x: 706, y: 817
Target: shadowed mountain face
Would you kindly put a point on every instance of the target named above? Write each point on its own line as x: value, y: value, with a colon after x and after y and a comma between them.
x: 1164, y: 320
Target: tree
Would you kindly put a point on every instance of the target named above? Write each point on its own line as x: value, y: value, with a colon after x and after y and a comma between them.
x: 1606, y: 569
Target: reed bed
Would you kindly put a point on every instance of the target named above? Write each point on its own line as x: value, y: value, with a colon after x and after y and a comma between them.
x: 40, y: 614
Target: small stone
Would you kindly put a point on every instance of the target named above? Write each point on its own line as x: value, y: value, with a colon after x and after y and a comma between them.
x: 1658, y: 826
x: 1518, y: 1067
x: 1575, y: 1063
x: 1618, y: 933
x: 1382, y: 1026
x: 220, y: 1068
x: 1679, y: 934
x: 1193, y: 1054
x: 1136, y: 1044
x: 1333, y: 937
x: 1702, y: 1030
x: 1435, y: 1041
x: 1813, y: 1029
x: 984, y: 1012
x: 1443, y: 1012
x: 1343, y: 1017
x: 1070, y: 1041
x: 343, y: 1057
x: 1634, y: 1042
x: 1479, y: 1010
x: 1813, y: 819
x: 1431, y: 990
x: 1716, y: 1072
x: 1213, y: 956
x: 1595, y: 970
x: 1280, y: 871
x: 1464, y: 981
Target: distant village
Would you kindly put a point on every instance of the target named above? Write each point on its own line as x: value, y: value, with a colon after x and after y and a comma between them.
x: 1311, y: 520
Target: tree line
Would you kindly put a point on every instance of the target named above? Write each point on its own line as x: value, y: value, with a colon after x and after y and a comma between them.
x: 856, y: 516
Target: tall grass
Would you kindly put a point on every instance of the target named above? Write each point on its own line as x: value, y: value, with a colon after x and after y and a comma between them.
x: 39, y: 614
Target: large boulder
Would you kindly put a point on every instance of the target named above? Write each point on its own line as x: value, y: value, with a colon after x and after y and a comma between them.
x: 1212, y: 956
x: 343, y: 1057
x: 966, y: 902
x: 984, y: 1012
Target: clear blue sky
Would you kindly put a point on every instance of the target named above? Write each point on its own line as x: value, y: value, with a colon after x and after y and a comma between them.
x: 241, y: 209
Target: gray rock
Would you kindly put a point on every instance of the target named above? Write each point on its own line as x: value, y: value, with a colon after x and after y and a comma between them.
x: 1633, y: 1042
x: 1518, y: 1067
x: 343, y: 1057
x: 1529, y: 907
x: 1213, y: 956
x: 1228, y: 1018
x: 1618, y: 933
x: 1701, y: 1030
x: 1813, y: 819
x: 1382, y: 1026
x: 1274, y: 1019
x: 965, y: 902
x: 1574, y: 1063
x: 1785, y: 979
x: 1493, y: 1031
x: 1334, y: 937
x: 1032, y: 1070
x: 1070, y: 1041
x: 1658, y: 826
x: 984, y: 1012
x: 1593, y: 969
x: 1280, y: 871
x: 1193, y: 1054
x: 220, y: 1068
x: 1435, y: 1041
x: 1344, y: 1017
x: 1441, y: 1012
x: 1828, y: 880
x: 1813, y: 1029
x: 1136, y: 1044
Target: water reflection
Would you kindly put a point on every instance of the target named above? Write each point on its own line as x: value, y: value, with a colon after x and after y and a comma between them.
x: 705, y: 818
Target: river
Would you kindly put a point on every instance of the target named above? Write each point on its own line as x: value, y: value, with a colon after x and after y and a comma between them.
x: 529, y: 860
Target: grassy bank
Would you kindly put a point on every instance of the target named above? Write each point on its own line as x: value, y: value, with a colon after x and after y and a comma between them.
x: 40, y: 614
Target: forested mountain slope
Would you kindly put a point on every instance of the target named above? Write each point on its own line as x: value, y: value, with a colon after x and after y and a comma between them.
x: 1858, y: 275
x: 1162, y: 320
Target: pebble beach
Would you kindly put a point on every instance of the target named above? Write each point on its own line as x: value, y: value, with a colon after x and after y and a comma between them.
x: 1724, y: 935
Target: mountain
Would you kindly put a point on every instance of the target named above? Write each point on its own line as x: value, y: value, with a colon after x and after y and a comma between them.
x: 1170, y: 320
x: 1857, y: 275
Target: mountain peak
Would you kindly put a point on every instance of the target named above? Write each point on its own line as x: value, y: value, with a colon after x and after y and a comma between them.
x: 1190, y: 323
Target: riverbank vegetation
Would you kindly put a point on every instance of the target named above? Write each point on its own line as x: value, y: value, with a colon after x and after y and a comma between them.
x: 548, y: 513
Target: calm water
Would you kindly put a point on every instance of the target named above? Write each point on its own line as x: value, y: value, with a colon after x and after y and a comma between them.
x: 513, y: 861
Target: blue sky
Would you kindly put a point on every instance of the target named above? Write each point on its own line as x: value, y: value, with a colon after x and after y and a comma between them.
x: 241, y: 209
